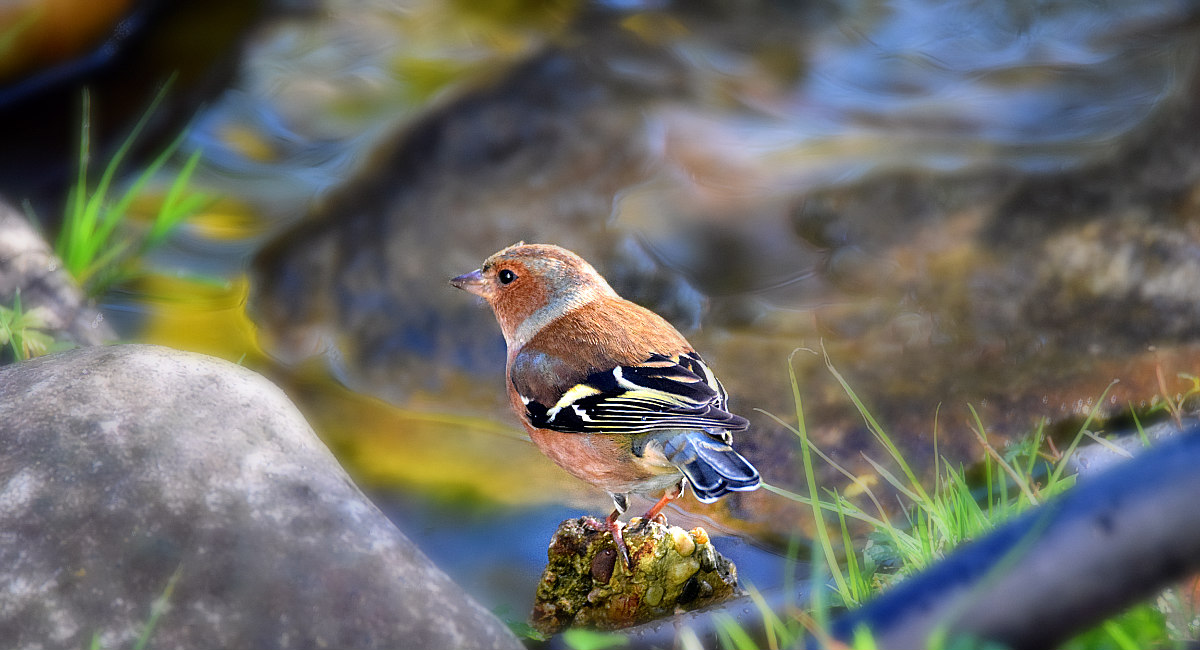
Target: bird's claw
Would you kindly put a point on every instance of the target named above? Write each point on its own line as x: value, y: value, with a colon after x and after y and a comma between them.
x: 614, y: 527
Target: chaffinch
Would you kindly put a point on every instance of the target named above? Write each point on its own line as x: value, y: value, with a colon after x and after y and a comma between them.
x: 609, y: 390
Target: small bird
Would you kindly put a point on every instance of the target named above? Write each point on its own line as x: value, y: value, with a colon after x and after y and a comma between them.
x: 607, y: 389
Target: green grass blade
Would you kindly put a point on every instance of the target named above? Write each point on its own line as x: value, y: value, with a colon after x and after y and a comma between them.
x: 1119, y: 636
x: 733, y: 635
x: 1062, y: 464
x: 789, y: 571
x: 981, y: 434
x: 810, y: 478
x: 68, y: 242
x: 8, y: 337
x: 772, y: 625
x: 896, y: 482
x: 864, y: 639
x: 1039, y: 435
x: 580, y: 639
x: 831, y: 508
x: 118, y: 157
x: 175, y: 208
x: 1137, y: 423
x: 88, y: 242
x: 819, y: 598
x: 135, y: 189
x: 98, y: 221
x: 858, y: 482
x: 1115, y: 450
x: 877, y: 431
x: 16, y: 335
x: 854, y: 575
x: 970, y: 518
x: 158, y: 608
x: 104, y: 261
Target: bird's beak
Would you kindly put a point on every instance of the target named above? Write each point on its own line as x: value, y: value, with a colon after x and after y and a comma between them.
x: 472, y: 282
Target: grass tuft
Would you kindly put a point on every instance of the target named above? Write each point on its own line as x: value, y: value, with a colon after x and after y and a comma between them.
x: 935, y: 519
x: 96, y: 244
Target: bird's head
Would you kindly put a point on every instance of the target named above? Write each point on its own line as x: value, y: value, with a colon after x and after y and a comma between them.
x: 530, y: 285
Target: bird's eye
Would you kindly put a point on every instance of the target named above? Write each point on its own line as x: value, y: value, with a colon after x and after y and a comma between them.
x: 506, y: 276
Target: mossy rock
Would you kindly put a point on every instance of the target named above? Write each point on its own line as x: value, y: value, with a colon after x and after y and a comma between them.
x: 584, y: 584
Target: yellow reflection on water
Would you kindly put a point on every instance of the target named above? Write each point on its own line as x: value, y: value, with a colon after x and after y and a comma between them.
x: 249, y: 143
x: 382, y: 445
x: 474, y: 457
x: 201, y: 315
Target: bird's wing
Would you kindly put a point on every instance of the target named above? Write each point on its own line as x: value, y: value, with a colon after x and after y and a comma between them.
x: 677, y: 392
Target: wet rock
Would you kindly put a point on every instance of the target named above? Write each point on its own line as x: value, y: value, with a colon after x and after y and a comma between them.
x: 29, y: 266
x: 132, y: 474
x: 584, y: 584
x: 537, y: 154
x: 1014, y: 281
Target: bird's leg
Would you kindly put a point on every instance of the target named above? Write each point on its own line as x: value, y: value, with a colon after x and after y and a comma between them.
x: 613, y: 526
x: 655, y: 513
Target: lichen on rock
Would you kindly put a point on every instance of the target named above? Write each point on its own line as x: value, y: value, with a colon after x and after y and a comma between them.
x: 671, y: 570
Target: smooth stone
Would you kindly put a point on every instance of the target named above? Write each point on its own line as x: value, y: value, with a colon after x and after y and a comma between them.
x: 133, y: 473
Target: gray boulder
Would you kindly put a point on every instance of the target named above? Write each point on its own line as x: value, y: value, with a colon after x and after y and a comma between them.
x: 134, y: 474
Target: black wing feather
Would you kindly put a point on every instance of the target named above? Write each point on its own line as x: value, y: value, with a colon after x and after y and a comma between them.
x: 659, y: 394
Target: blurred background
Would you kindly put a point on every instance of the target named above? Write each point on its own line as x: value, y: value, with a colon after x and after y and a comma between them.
x: 964, y: 209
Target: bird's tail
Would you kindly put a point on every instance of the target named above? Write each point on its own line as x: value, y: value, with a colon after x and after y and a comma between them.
x: 711, y: 466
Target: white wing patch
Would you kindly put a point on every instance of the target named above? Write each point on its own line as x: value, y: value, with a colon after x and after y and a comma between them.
x: 678, y: 392
x: 578, y: 391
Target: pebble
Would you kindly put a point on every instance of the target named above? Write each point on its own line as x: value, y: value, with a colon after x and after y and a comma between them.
x: 680, y: 572
x: 654, y: 595
x: 684, y: 544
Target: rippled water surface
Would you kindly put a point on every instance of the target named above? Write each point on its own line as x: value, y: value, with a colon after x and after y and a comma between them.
x: 956, y: 203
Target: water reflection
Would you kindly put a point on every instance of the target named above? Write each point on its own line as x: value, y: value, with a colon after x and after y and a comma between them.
x: 802, y: 96
x: 504, y: 575
x: 1039, y: 84
x: 931, y: 193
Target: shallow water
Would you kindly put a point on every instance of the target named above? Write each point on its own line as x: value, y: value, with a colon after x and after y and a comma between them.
x: 917, y: 189
x: 498, y: 574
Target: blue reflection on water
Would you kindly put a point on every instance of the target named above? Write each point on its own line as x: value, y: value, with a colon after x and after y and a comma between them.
x: 497, y: 554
